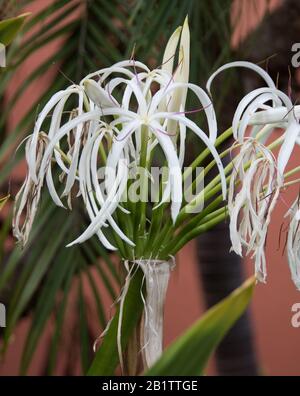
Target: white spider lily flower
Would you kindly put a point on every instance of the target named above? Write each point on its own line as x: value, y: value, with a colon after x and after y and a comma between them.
x: 250, y: 208
x: 293, y: 242
x: 292, y: 128
x: 246, y: 113
x: 27, y: 199
x: 129, y: 120
x: 121, y: 101
x: 138, y: 87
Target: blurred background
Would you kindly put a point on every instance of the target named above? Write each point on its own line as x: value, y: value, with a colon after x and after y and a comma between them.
x: 59, y: 301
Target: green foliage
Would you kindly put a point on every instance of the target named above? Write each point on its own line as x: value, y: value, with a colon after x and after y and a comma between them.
x: 189, y: 354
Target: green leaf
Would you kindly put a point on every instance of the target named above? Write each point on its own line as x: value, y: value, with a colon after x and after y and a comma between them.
x: 107, y: 359
x: 189, y: 354
x: 9, y: 28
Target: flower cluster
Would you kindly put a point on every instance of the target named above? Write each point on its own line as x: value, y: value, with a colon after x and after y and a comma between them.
x: 259, y: 172
x: 116, y: 104
x: 126, y: 113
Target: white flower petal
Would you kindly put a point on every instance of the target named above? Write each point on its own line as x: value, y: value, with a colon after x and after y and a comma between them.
x: 243, y: 64
x: 98, y: 95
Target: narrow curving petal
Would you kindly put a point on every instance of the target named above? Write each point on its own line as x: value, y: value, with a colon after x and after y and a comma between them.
x: 248, y: 65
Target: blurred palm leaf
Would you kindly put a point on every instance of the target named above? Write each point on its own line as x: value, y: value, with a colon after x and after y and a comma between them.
x: 92, y: 34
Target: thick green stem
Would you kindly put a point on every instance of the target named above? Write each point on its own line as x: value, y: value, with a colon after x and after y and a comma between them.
x: 141, y: 216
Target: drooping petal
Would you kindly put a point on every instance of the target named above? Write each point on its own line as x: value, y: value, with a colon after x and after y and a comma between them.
x: 250, y: 209
x: 110, y: 203
x: 37, y: 128
x: 28, y: 197
x: 175, y: 175
x: 248, y: 65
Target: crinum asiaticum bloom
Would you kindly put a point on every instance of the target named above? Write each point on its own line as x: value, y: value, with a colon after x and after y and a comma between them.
x: 262, y: 111
x: 256, y: 170
x: 29, y: 195
x: 118, y: 103
x: 254, y: 111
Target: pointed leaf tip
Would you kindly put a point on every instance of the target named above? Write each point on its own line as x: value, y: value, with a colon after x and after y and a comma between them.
x: 10, y: 27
